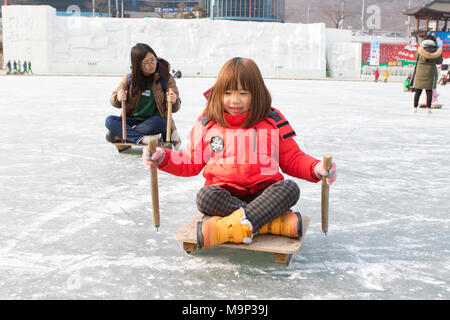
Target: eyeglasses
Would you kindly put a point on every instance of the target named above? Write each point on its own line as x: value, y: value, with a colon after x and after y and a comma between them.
x: 148, y: 64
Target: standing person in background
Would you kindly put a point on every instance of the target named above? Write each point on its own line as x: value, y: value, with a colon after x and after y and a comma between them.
x: 146, y: 92
x: 425, y: 77
x: 25, y: 67
x: 29, y: 67
x: 377, y: 75
x: 15, y: 67
x: 8, y: 65
x: 385, y: 75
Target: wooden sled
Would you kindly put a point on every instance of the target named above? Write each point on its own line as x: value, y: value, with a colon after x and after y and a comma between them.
x: 433, y: 106
x: 122, y: 146
x: 282, y: 247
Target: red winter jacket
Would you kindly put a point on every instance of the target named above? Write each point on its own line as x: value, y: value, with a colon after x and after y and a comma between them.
x: 241, y: 160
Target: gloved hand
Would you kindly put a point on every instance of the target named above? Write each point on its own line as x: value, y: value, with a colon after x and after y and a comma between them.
x: 156, y: 159
x: 331, y: 175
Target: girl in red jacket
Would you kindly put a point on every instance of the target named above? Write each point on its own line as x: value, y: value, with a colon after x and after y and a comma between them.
x: 242, y: 143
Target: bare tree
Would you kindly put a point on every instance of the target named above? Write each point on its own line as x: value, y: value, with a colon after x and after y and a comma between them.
x: 100, y: 5
x: 201, y: 12
x: 180, y: 11
x: 336, y: 12
x: 150, y: 6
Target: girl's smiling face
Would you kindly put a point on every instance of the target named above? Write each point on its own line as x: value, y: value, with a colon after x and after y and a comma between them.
x: 148, y: 64
x: 236, y: 101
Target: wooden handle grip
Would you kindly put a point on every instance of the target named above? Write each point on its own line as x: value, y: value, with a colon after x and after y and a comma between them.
x: 154, y: 183
x: 327, y: 160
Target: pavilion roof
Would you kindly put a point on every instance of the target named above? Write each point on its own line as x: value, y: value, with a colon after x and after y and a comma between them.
x: 435, y: 10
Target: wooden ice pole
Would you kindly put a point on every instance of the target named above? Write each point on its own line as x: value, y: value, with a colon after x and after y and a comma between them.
x: 169, y: 119
x: 327, y: 159
x: 124, y: 122
x: 154, y: 182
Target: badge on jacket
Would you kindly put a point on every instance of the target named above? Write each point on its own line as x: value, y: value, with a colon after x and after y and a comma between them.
x: 216, y: 144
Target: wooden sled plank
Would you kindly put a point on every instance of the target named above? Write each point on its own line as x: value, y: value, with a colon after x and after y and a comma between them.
x: 127, y: 144
x: 282, y: 247
x: 434, y: 106
x: 122, y: 146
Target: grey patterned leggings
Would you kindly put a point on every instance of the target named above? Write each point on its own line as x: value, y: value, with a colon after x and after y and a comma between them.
x: 260, y: 209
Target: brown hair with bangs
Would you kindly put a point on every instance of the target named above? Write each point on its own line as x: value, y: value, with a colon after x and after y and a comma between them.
x: 246, y: 72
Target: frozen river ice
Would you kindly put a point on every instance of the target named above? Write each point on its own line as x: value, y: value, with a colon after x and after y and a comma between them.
x: 76, y: 217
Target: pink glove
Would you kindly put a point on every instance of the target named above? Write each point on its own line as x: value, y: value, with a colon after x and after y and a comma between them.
x: 156, y: 158
x: 331, y: 175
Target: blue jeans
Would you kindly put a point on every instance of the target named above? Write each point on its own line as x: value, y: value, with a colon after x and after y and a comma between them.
x: 137, y: 129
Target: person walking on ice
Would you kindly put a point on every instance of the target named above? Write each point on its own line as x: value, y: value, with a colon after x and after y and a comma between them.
x: 425, y: 76
x: 385, y: 75
x: 242, y: 143
x: 25, y: 67
x: 8, y: 65
x: 376, y: 74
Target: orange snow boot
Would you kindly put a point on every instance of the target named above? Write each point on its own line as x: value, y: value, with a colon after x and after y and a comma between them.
x: 288, y: 224
x: 217, y: 230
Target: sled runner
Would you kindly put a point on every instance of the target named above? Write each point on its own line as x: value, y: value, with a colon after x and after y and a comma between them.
x: 282, y: 247
x: 433, y: 106
x: 122, y: 146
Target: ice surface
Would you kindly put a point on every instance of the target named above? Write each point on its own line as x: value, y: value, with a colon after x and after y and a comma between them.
x: 76, y: 217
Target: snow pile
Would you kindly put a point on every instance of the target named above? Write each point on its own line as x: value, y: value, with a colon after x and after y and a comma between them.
x: 84, y: 45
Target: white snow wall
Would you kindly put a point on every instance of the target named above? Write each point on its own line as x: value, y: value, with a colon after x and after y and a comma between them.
x: 83, y: 45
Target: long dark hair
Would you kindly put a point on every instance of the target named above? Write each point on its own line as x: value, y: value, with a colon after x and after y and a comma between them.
x: 138, y: 80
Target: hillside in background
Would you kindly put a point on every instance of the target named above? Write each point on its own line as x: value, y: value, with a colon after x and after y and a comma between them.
x: 296, y: 11
x: 391, y: 12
